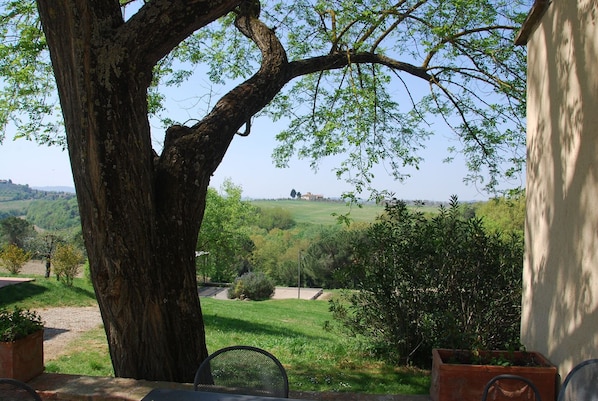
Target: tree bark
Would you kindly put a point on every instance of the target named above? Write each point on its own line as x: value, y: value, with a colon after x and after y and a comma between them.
x: 141, y: 212
x: 140, y: 215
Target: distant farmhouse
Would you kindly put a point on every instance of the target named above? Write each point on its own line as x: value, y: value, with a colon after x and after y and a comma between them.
x: 312, y: 197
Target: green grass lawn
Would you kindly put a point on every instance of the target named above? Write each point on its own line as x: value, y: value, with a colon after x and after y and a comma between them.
x: 46, y: 293
x: 300, y: 333
x: 322, y: 212
x: 316, y: 358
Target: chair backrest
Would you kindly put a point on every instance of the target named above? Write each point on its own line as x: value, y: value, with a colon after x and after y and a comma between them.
x: 242, y: 369
x: 581, y: 383
x: 11, y: 389
x: 507, y: 387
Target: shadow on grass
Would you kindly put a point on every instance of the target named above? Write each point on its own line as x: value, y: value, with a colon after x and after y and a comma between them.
x: 341, y: 378
x: 227, y: 324
x: 82, y: 292
x: 20, y: 292
x: 45, y: 292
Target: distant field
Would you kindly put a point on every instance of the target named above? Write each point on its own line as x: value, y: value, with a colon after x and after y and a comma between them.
x: 20, y: 205
x: 321, y: 212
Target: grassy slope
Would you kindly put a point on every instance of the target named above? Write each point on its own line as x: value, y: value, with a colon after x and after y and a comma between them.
x: 44, y: 292
x: 20, y: 205
x: 316, y: 356
x: 317, y: 212
x: 300, y: 333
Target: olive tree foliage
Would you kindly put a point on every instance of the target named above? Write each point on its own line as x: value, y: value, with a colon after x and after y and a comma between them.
x: 17, y: 231
x: 367, y: 79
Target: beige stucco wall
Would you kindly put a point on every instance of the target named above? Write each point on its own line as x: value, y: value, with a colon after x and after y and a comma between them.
x: 560, y: 294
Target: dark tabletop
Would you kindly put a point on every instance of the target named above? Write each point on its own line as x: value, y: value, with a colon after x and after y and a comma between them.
x: 186, y: 395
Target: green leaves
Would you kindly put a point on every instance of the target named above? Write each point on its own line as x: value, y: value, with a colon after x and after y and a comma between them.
x: 27, y: 87
x: 369, y: 113
x: 376, y: 115
x: 224, y: 234
x: 18, y: 323
x: 434, y: 282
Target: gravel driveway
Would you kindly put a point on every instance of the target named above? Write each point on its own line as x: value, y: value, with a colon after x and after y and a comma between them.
x: 63, y: 325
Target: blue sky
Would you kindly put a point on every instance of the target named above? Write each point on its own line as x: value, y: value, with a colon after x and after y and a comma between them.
x: 248, y: 163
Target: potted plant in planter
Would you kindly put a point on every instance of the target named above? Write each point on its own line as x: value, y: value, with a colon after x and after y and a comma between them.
x: 460, y: 375
x: 21, y: 344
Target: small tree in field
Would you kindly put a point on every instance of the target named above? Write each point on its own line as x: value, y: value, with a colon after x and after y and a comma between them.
x: 67, y: 261
x: 14, y: 230
x: 13, y: 258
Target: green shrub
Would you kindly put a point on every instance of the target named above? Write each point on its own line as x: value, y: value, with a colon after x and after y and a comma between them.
x: 18, y: 323
x: 13, y: 258
x: 87, y: 271
x: 439, y: 282
x: 67, y: 260
x: 254, y: 286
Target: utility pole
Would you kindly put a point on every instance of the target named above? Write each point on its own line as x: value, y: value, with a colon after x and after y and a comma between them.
x: 299, y: 276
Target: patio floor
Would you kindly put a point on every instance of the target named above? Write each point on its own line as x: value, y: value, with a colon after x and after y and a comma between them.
x: 6, y: 281
x: 53, y: 386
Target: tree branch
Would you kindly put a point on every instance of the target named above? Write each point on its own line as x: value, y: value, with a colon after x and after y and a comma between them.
x: 236, y: 108
x: 160, y: 25
x: 454, y: 37
x: 340, y: 60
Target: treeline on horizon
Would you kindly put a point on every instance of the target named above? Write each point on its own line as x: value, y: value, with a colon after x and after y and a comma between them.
x: 273, y: 237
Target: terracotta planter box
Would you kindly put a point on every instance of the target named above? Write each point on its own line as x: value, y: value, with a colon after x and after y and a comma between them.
x: 454, y: 381
x: 23, y: 359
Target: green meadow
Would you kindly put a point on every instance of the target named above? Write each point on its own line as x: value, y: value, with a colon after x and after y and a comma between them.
x: 323, y: 212
x: 302, y: 334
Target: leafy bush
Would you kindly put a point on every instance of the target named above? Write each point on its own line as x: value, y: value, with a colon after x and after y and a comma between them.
x: 67, y: 260
x: 18, y: 323
x: 87, y: 271
x: 439, y: 282
x: 275, y: 217
x: 254, y: 286
x: 13, y: 258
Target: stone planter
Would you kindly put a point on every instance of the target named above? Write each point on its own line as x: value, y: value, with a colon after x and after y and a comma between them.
x: 23, y: 359
x: 453, y: 380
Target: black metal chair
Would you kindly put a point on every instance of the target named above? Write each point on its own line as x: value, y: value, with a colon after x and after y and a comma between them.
x: 504, y: 387
x: 242, y: 369
x: 11, y: 389
x: 581, y: 384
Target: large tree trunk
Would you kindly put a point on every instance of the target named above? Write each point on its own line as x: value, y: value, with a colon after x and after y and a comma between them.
x: 141, y: 212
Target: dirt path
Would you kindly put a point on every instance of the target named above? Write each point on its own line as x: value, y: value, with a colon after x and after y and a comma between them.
x: 66, y: 324
x: 63, y: 325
